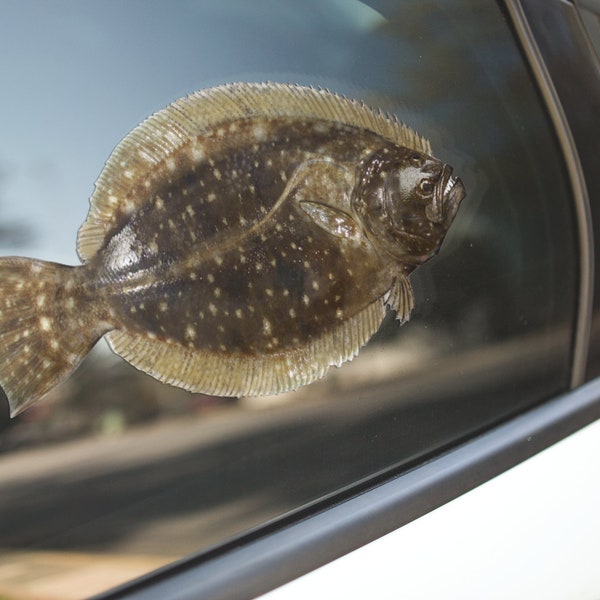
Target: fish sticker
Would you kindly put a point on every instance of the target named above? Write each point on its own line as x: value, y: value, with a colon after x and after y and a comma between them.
x: 239, y: 242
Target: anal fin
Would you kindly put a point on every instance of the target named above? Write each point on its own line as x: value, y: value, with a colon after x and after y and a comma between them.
x: 225, y: 374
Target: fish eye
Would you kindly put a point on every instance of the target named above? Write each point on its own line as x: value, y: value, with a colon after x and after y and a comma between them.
x: 416, y: 159
x: 426, y: 187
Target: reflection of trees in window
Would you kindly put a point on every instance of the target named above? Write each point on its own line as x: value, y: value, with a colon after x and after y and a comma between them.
x: 12, y: 233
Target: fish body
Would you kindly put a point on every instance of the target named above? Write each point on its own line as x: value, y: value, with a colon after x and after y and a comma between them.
x: 239, y: 242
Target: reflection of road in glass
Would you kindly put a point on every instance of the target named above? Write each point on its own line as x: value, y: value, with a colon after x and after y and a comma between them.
x: 163, y: 491
x: 68, y: 576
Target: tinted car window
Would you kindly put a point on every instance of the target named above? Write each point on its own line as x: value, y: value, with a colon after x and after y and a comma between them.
x: 113, y: 463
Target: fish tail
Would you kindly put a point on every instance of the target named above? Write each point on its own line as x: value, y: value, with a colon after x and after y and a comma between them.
x: 43, y: 335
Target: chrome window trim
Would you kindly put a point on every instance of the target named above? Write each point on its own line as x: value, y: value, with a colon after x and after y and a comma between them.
x: 581, y: 199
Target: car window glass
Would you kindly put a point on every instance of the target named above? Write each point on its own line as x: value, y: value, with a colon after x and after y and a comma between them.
x: 114, y: 466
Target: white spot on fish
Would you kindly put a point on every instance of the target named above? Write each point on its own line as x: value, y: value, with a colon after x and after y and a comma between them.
x: 259, y: 133
x: 266, y: 326
x: 197, y: 152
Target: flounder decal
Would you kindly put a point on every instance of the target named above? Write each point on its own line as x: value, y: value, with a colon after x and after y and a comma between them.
x: 239, y: 242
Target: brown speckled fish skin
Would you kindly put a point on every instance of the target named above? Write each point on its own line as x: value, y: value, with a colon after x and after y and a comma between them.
x: 247, y: 260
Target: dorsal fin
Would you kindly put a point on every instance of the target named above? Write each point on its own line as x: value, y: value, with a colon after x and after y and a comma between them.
x: 159, y: 136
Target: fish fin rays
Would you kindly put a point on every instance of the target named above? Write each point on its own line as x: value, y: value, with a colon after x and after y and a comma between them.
x: 223, y: 375
x: 40, y: 345
x: 162, y: 134
x: 400, y: 298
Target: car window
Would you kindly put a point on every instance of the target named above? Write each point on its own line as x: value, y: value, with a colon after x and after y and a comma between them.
x: 116, y: 472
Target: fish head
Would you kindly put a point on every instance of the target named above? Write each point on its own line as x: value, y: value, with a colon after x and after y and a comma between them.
x: 406, y: 201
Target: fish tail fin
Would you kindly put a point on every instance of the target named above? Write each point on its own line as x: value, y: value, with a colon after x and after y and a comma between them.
x: 43, y: 337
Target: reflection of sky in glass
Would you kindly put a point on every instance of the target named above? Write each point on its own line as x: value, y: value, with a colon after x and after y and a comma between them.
x: 80, y: 75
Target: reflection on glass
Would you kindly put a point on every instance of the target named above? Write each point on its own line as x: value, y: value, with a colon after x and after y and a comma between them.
x: 115, y: 465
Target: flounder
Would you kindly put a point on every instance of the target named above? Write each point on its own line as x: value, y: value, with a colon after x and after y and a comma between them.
x: 239, y: 242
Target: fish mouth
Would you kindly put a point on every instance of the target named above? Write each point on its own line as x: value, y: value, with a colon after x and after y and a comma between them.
x: 447, y: 197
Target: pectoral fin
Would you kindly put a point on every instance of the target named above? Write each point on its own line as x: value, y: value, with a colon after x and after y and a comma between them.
x: 333, y: 220
x: 400, y: 298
